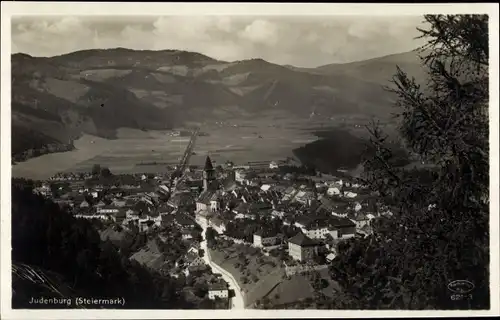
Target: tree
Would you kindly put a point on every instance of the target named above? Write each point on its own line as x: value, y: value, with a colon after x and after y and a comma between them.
x: 105, y: 172
x: 439, y: 230
x: 210, y: 236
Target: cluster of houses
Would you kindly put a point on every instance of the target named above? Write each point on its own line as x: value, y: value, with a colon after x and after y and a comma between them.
x: 321, y: 211
x: 335, y: 209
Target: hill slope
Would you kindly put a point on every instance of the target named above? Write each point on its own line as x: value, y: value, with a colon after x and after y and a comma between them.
x: 55, y: 100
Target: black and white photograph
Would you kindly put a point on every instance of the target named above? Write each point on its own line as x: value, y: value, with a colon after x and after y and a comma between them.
x: 249, y: 160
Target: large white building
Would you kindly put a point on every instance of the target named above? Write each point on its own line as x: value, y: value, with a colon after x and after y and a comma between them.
x: 302, y: 248
x: 218, y: 290
x: 240, y: 176
x: 261, y: 239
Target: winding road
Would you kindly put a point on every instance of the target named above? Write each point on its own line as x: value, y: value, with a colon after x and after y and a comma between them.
x: 237, y: 301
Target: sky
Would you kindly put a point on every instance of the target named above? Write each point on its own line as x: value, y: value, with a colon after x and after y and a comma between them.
x: 306, y: 41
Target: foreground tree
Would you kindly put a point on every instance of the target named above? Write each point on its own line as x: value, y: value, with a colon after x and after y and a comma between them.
x: 439, y: 229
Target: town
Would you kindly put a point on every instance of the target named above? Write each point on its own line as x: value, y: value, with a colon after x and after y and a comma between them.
x: 262, y: 223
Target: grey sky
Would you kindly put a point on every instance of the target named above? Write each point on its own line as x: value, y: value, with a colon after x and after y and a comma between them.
x: 307, y: 41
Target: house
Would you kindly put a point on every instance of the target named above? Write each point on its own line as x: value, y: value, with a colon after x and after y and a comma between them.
x: 302, y: 248
x: 110, y: 209
x: 164, y: 209
x: 216, y: 201
x: 242, y: 208
x: 333, y: 191
x: 167, y: 220
x: 273, y: 165
x: 289, y: 194
x: 191, y: 262
x: 89, y: 215
x: 118, y: 203
x: 218, y: 225
x: 358, y: 206
x: 100, y: 204
x: 265, y: 187
x: 145, y: 225
x: 366, y: 230
x: 349, y: 194
x: 84, y: 204
x: 203, y: 203
x: 288, y: 220
x: 240, y: 176
x: 260, y: 207
x: 218, y: 290
x: 194, y: 248
x: 361, y: 220
x: 163, y: 189
x: 181, y: 200
x: 186, y: 234
x: 118, y: 216
x: 249, y: 196
x: 304, y: 197
x: 330, y: 257
x: 130, y: 213
x: 316, y: 229
x: 278, y: 214
x: 183, y: 221
x: 263, y: 238
x: 229, y: 184
x: 345, y: 228
x: 203, y: 217
x: 155, y: 217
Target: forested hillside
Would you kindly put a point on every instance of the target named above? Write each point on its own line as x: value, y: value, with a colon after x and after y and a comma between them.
x: 70, y: 252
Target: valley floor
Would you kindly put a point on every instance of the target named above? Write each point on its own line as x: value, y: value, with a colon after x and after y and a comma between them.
x: 237, y: 142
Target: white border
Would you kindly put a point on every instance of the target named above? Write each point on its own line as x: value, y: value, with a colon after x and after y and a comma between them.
x: 279, y: 9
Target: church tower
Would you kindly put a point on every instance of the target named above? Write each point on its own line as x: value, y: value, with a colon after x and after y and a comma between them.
x: 208, y: 174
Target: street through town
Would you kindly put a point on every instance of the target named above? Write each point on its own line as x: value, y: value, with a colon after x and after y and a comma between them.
x: 237, y: 301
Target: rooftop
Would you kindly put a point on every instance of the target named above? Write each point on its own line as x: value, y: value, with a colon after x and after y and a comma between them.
x: 217, y: 286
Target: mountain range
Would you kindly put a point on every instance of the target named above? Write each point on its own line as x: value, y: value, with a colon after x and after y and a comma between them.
x: 56, y: 99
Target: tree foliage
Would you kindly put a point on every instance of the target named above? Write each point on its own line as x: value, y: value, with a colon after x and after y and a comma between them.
x: 439, y: 230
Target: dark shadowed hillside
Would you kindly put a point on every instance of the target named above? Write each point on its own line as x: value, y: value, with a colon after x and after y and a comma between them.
x: 56, y: 255
x: 339, y: 149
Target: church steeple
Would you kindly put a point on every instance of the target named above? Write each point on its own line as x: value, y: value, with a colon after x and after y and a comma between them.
x: 208, y: 174
x: 208, y: 164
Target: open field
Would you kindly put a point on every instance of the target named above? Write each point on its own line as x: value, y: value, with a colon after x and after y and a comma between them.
x: 266, y: 138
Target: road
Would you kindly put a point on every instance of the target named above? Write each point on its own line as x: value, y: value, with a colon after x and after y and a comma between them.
x: 237, y: 301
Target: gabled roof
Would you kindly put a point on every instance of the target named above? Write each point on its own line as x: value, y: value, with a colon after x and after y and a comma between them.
x: 302, y: 240
x: 217, y: 286
x: 341, y: 222
x: 361, y: 217
x: 180, y: 199
x: 260, y: 206
x: 205, y: 197
x: 110, y: 207
x: 182, y: 219
x: 167, y: 218
x: 216, y: 196
x: 242, y: 207
x: 217, y: 221
x: 190, y: 257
